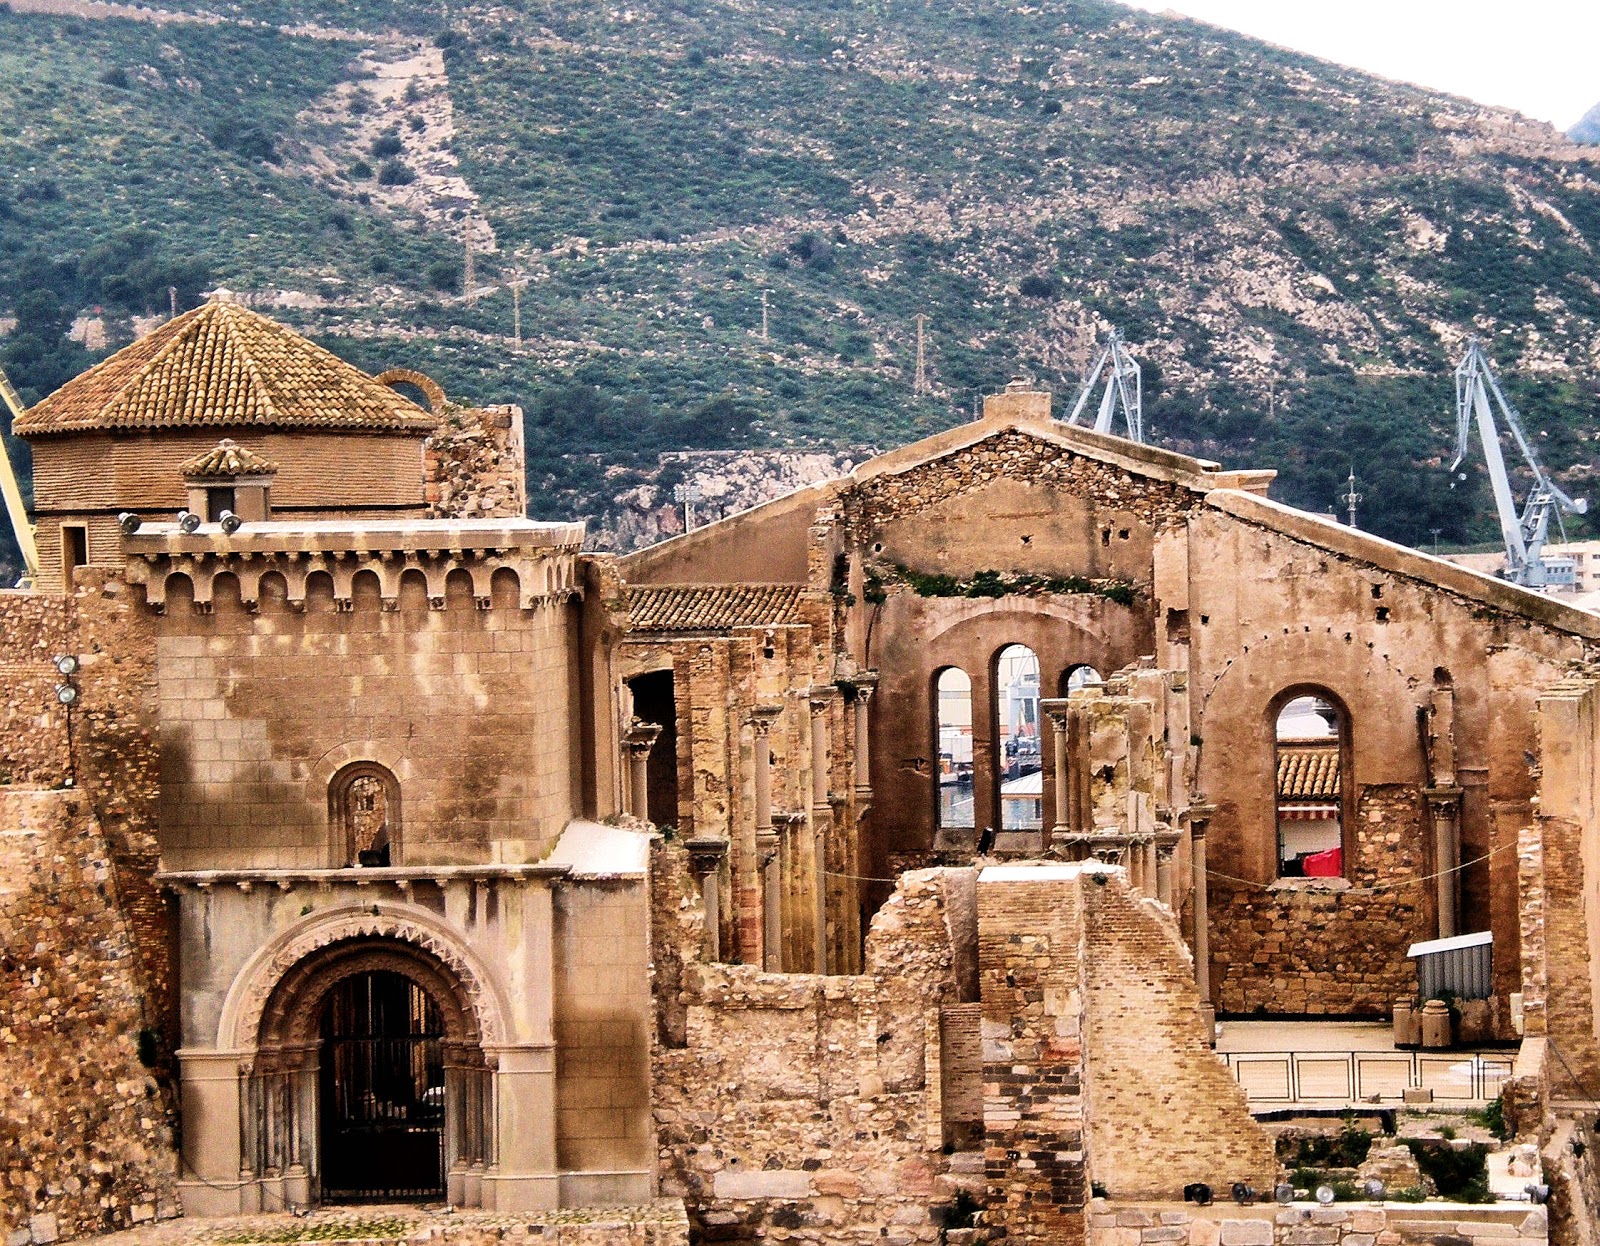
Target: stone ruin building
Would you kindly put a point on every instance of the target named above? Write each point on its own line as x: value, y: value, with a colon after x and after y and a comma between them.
x: 881, y: 852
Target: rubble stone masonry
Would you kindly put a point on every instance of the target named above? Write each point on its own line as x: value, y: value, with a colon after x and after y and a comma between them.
x: 84, y: 1140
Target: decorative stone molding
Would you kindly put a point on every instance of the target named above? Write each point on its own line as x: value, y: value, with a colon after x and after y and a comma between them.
x: 246, y: 1003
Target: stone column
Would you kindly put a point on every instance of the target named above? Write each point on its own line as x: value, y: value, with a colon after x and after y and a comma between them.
x: 1164, y: 854
x: 821, y: 820
x: 1199, y: 816
x: 762, y: 719
x: 640, y: 739
x: 1056, y: 709
x: 1444, y: 805
x: 706, y: 854
x: 864, y: 683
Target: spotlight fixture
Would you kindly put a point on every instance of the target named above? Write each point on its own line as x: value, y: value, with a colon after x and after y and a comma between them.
x: 67, y: 694
x: 1243, y: 1192
x: 1373, y: 1189
x: 66, y: 664
x: 188, y: 521
x: 129, y: 523
x: 1198, y: 1193
x: 1325, y: 1194
x: 1283, y: 1193
x: 1537, y: 1192
x: 230, y: 522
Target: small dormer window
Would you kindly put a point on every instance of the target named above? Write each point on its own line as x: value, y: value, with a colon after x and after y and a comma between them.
x: 219, y: 500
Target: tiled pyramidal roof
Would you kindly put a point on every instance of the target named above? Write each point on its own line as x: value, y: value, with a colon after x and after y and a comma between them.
x: 228, y: 458
x: 223, y: 364
x: 712, y: 607
x: 1308, y: 771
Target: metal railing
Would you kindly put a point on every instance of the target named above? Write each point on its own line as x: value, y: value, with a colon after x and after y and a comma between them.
x: 1367, y: 1076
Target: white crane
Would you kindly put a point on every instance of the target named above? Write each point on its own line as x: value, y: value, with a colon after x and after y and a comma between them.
x: 1524, y: 534
x: 17, y: 512
x: 1124, y: 388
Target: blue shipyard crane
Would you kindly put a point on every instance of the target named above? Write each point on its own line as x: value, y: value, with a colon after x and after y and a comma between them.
x: 1524, y: 534
x: 1124, y: 389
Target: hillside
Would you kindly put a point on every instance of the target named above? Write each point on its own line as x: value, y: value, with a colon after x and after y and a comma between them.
x: 1294, y: 250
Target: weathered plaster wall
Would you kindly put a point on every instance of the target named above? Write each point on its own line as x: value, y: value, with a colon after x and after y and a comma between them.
x: 84, y: 1139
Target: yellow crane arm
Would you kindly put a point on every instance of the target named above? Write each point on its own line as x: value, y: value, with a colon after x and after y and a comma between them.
x: 8, y: 486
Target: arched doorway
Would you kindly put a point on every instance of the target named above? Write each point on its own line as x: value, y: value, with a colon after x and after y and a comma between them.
x: 381, y: 1091
x: 370, y: 1081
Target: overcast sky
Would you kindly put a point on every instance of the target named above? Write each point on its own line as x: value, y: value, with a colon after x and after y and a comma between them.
x: 1541, y: 57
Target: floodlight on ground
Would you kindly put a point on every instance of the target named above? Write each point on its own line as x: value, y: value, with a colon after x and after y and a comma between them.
x: 129, y: 523
x: 66, y: 664
x: 1283, y: 1193
x: 1197, y: 1192
x: 67, y: 694
x: 1325, y: 1194
x: 188, y: 521
x: 1373, y: 1189
x: 1537, y: 1192
x: 1243, y: 1192
x: 230, y: 522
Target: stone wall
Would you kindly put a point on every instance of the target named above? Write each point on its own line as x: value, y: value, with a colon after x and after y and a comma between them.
x: 473, y: 466
x: 1166, y: 1224
x: 1265, y: 956
x: 84, y: 1140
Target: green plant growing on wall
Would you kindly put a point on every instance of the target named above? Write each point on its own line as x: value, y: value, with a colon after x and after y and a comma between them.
x: 995, y: 584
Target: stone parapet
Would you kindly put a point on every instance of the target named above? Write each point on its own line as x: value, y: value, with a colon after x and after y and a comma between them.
x: 1341, y: 1224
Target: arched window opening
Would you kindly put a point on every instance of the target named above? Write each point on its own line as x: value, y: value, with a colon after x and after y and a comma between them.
x: 953, y: 729
x: 1080, y: 676
x: 383, y: 1091
x: 1020, y: 752
x: 365, y: 807
x: 1310, y: 753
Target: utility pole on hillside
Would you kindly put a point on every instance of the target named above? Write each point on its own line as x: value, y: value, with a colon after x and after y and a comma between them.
x: 469, y: 277
x: 172, y: 298
x: 763, y: 315
x: 516, y: 283
x: 1351, y: 497
x: 921, y: 386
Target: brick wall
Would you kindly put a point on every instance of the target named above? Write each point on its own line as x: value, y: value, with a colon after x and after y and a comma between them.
x: 84, y: 1141
x: 1163, y: 1111
x: 1030, y: 931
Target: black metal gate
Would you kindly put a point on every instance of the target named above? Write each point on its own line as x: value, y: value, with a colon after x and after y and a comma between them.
x: 382, y: 1091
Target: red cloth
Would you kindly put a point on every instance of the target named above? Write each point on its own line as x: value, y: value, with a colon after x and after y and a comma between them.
x: 1329, y: 864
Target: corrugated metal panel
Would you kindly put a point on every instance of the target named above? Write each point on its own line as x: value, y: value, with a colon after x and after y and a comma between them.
x: 1464, y: 972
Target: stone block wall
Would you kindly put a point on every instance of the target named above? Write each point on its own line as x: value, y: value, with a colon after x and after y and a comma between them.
x: 84, y: 1139
x: 1262, y: 956
x: 1163, y: 1111
x: 1180, y: 1224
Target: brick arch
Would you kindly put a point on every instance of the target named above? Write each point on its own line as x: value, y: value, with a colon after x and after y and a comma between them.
x: 277, y: 995
x: 431, y: 389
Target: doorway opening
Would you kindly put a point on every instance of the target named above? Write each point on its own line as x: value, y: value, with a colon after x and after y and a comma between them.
x: 382, y: 1091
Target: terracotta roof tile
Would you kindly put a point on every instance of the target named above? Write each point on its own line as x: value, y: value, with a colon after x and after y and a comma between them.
x: 1308, y: 770
x: 222, y: 364
x: 712, y: 607
x: 227, y: 458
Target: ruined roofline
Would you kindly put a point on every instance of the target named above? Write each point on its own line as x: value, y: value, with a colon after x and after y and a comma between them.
x: 1385, y: 555
x: 1200, y: 475
x: 356, y: 536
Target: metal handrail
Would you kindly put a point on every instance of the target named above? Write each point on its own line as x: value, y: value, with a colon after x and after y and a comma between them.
x: 1352, y: 1076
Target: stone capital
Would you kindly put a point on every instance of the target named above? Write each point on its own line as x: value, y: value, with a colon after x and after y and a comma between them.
x: 763, y: 718
x: 1199, y: 815
x: 705, y: 854
x: 1056, y: 708
x: 641, y: 736
x: 820, y: 696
